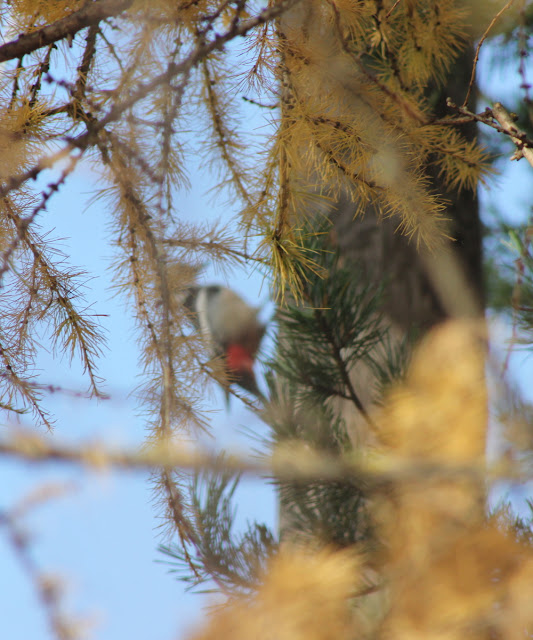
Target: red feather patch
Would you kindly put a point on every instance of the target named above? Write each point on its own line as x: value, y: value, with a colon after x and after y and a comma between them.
x: 238, y: 358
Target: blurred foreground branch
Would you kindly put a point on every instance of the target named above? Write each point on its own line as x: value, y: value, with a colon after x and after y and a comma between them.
x: 289, y: 462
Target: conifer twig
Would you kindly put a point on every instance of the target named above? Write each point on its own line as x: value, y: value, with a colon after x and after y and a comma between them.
x: 335, y: 351
x: 199, y: 53
x: 225, y: 138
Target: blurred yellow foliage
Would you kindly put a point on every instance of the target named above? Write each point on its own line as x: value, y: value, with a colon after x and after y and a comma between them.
x: 33, y: 14
x: 445, y: 571
x: 304, y: 595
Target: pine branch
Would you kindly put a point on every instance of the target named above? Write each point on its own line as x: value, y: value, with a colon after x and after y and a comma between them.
x: 524, y: 147
x: 233, y: 561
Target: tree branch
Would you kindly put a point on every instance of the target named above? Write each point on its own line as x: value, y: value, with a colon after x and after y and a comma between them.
x: 68, y: 26
x: 199, y: 53
x: 287, y: 463
x: 505, y: 124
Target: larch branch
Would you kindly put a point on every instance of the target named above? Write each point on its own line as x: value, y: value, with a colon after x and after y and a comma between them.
x: 68, y: 26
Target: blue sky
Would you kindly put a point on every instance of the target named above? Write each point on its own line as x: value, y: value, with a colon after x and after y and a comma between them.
x: 101, y: 536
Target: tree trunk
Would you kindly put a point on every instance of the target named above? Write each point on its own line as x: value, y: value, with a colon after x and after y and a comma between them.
x: 370, y: 242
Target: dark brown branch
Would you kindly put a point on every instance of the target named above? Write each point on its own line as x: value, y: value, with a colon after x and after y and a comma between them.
x: 44, y: 67
x: 85, y: 140
x: 89, y: 15
x: 16, y: 83
x: 85, y: 65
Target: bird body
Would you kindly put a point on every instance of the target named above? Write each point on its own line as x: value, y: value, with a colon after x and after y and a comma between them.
x: 232, y: 327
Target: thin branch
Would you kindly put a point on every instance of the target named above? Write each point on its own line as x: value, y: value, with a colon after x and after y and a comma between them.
x: 110, y: 47
x: 46, y: 162
x: 43, y: 69
x: 341, y: 166
x: 476, y: 57
x: 405, y: 105
x: 260, y: 104
x: 16, y: 86
x: 82, y: 330
x: 84, y: 140
x: 500, y: 119
x: 54, y: 388
x: 87, y: 16
x: 23, y: 388
x: 22, y: 224
x: 199, y: 53
x: 225, y: 138
x: 211, y: 246
x: 341, y: 365
x: 387, y: 16
x: 85, y: 65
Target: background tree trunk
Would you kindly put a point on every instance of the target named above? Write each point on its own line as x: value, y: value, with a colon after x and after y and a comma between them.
x: 370, y: 243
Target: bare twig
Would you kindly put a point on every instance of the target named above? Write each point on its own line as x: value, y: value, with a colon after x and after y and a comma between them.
x: 501, y: 120
x: 387, y: 16
x: 46, y: 162
x: 478, y: 48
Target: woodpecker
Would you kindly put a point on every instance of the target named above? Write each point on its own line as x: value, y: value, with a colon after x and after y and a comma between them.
x: 231, y: 325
